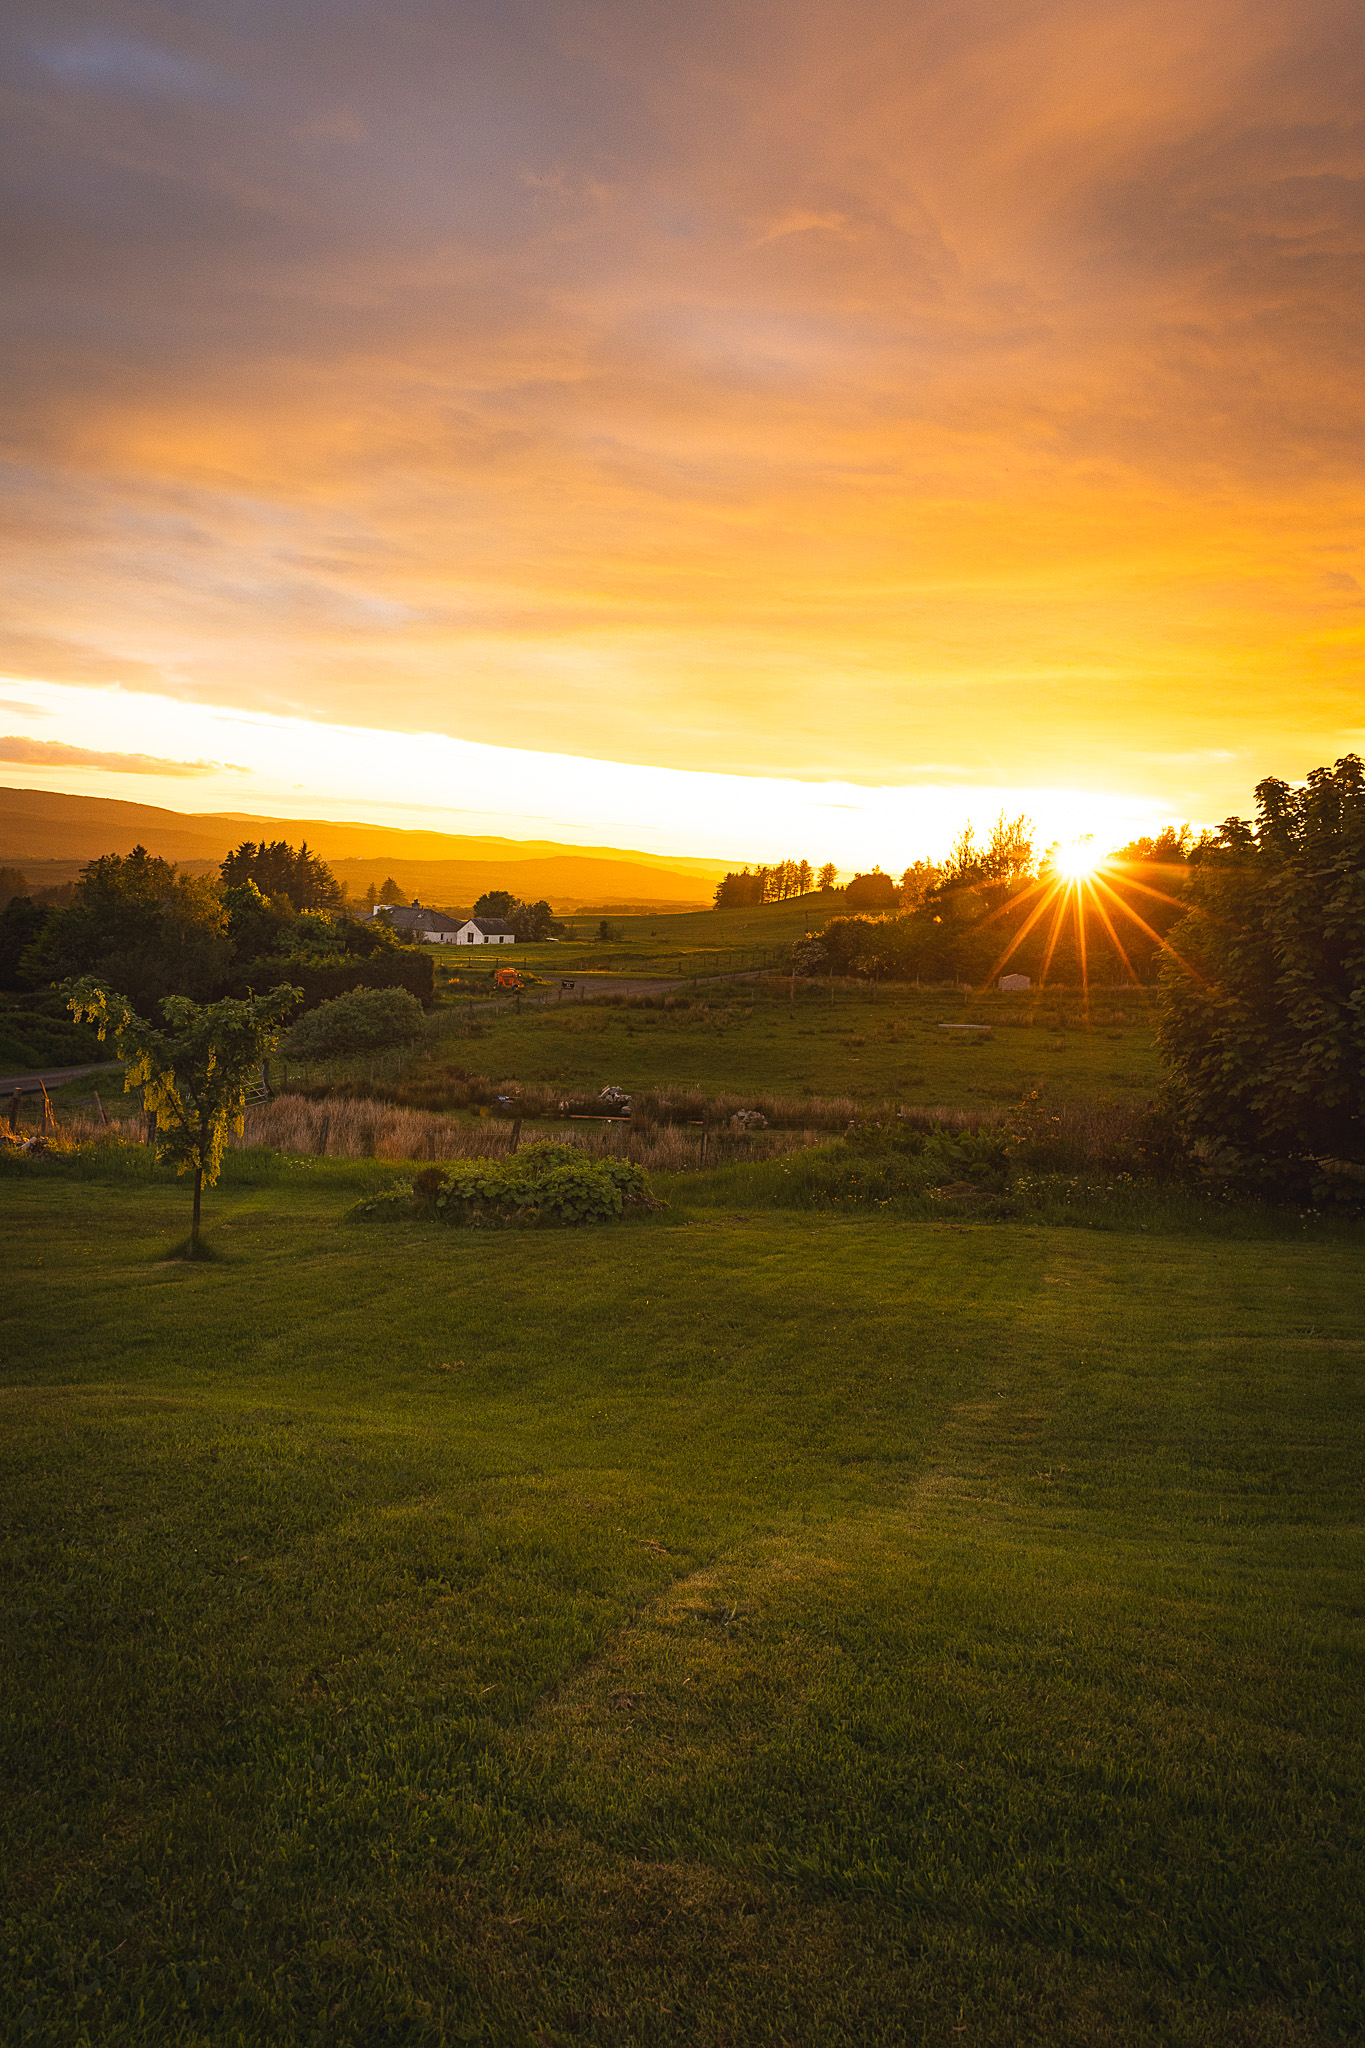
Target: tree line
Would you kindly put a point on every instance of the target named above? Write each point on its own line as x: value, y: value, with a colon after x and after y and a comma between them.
x: 774, y: 884
x: 976, y: 911
x: 149, y: 932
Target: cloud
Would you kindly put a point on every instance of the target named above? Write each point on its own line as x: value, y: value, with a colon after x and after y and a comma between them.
x: 122, y: 63
x: 788, y: 389
x: 55, y: 754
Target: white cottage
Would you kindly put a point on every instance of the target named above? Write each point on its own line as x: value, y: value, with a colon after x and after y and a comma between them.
x: 485, y: 931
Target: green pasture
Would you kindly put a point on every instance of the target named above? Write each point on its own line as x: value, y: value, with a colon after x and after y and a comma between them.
x: 667, y: 944
x: 871, y: 1044
x: 737, y: 1627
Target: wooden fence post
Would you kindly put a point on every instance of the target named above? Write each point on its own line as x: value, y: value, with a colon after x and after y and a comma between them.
x: 324, y: 1132
x: 49, y: 1113
x: 104, y: 1114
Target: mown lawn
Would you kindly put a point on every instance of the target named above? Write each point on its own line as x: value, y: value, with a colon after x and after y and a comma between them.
x: 873, y: 1045
x: 759, y: 1629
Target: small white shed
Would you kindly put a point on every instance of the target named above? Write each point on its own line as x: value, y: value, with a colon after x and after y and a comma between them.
x: 1014, y: 984
x: 485, y: 931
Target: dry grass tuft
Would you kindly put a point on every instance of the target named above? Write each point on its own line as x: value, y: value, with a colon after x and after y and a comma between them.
x: 348, y: 1128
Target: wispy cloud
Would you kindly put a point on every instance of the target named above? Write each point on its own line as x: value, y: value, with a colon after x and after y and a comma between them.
x: 56, y: 754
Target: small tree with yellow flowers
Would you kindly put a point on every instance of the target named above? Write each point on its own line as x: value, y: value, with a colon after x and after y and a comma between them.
x: 195, y: 1073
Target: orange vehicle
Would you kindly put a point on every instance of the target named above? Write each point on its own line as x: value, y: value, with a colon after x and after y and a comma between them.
x: 507, y: 977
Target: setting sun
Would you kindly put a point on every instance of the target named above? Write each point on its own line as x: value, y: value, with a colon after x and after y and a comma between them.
x: 1078, y: 862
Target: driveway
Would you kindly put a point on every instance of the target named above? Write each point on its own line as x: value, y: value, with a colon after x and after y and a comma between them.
x: 53, y: 1077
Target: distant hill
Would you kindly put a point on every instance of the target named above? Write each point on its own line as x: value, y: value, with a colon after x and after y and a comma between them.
x: 50, y: 835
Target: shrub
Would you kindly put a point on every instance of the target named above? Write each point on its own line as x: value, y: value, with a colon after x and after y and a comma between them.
x: 939, y: 1154
x: 402, y: 967
x: 545, y: 1183
x: 363, y: 1020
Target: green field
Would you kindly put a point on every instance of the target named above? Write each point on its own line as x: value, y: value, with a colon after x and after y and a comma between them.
x: 874, y: 1045
x: 724, y: 1629
x: 667, y: 944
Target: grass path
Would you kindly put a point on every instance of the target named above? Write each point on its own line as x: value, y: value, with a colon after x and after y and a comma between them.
x: 789, y: 1630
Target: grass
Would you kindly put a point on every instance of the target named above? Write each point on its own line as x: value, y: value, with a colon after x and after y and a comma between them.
x: 666, y: 943
x: 753, y: 1627
x: 871, y: 1045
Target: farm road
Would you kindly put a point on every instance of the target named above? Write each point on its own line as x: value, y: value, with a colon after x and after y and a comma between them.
x: 53, y: 1077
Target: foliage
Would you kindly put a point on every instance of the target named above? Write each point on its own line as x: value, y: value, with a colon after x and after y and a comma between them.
x: 362, y: 1020
x: 38, y: 1031
x: 535, y: 921
x: 531, y: 922
x: 138, y: 924
x: 22, y: 922
x: 1262, y: 1022
x: 13, y: 882
x: 875, y: 891
x: 281, y: 870
x: 773, y: 884
x: 543, y: 1183
x: 193, y: 1075
x: 942, y: 1153
x: 1170, y: 847
x: 917, y: 882
x: 318, y: 980
x: 1007, y: 856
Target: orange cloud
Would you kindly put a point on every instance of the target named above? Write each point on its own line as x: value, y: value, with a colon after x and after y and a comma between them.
x: 791, y: 390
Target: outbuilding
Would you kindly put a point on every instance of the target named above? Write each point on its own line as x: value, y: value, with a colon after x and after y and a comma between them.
x: 485, y: 931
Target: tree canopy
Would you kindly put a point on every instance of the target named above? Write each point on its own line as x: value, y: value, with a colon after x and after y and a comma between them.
x: 279, y: 869
x: 137, y: 923
x: 1262, y: 1021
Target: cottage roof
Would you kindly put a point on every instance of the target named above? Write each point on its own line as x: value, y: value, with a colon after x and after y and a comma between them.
x: 489, y: 926
x: 414, y: 917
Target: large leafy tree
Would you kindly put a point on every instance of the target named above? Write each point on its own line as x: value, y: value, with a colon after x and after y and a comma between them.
x: 1262, y: 1021
x: 137, y: 923
x: 194, y: 1073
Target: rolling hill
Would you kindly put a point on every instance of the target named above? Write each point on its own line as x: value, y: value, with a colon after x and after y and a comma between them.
x: 51, y: 834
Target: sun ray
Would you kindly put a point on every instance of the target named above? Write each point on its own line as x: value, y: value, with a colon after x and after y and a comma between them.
x: 1052, y: 938
x: 1163, y: 945
x: 1078, y: 913
x: 1116, y: 941
x: 1017, y: 940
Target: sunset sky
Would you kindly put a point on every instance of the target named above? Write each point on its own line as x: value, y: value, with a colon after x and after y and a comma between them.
x: 704, y: 427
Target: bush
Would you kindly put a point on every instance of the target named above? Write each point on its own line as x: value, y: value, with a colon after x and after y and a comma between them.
x: 363, y: 1020
x: 400, y: 967
x: 545, y: 1183
x: 939, y: 1154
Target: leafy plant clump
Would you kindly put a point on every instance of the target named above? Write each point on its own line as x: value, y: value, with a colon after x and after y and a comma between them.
x: 362, y: 1020
x: 940, y: 1154
x: 543, y: 1184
